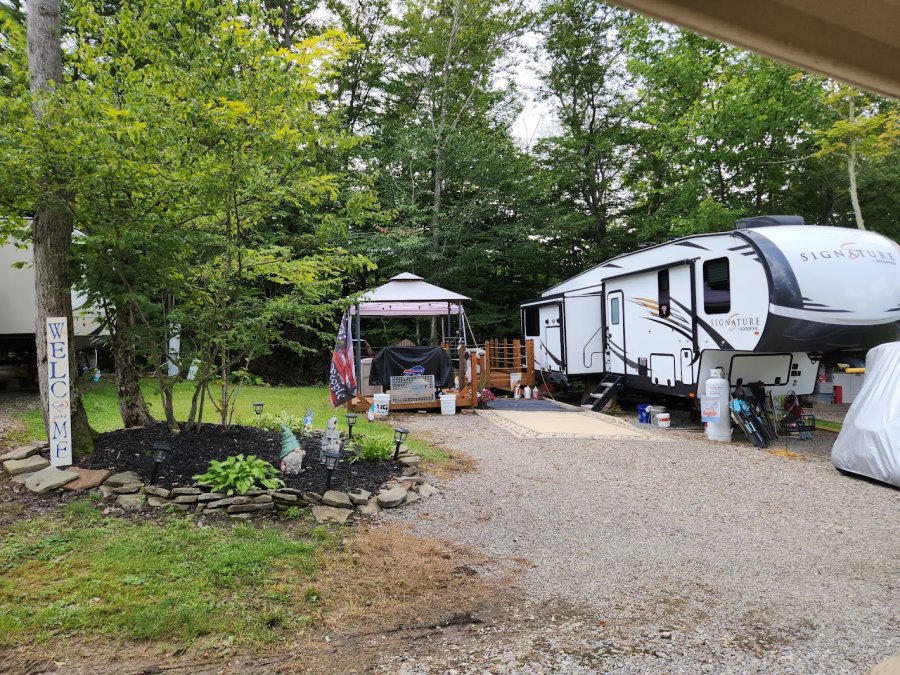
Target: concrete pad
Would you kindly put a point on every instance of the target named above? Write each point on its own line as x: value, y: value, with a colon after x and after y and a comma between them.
x: 87, y: 478
x: 49, y: 479
x: 549, y: 424
x: 28, y: 465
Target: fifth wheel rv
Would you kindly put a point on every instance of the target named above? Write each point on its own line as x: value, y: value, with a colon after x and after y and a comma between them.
x: 759, y: 302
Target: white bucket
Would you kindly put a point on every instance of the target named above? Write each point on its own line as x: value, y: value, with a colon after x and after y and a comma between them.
x: 655, y: 411
x: 382, y: 404
x: 448, y: 404
x: 663, y: 420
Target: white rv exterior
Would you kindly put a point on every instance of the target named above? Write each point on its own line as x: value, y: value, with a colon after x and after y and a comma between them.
x: 756, y: 301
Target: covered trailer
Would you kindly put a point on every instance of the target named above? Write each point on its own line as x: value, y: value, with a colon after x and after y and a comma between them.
x: 761, y: 301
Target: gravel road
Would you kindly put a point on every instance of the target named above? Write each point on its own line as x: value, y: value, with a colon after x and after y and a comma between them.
x: 685, y: 556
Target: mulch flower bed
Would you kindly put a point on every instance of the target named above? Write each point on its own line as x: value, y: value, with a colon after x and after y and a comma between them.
x: 130, y: 450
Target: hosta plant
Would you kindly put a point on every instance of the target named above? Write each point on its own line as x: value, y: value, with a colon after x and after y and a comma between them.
x: 238, y: 474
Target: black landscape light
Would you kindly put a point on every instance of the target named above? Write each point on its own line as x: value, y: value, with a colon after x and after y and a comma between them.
x: 257, y: 408
x: 161, y: 452
x: 400, y: 434
x: 332, y: 455
x: 351, y: 420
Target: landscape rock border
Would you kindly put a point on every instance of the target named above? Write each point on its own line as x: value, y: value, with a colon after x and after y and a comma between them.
x: 126, y: 492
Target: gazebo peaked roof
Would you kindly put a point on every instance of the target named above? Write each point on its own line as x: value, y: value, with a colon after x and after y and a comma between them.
x: 409, y: 295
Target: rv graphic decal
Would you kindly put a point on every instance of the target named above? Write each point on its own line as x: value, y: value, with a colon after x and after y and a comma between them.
x: 676, y: 321
x: 850, y: 252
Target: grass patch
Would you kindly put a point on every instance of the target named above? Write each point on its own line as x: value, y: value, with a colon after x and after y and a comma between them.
x: 828, y: 425
x: 85, y: 574
x: 103, y: 411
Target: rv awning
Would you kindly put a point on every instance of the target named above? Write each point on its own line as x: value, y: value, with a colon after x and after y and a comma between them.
x: 409, y: 295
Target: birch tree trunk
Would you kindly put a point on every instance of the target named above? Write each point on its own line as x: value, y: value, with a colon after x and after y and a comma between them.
x: 851, y: 169
x: 51, y: 227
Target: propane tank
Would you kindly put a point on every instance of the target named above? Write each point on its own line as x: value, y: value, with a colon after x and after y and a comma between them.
x: 717, y: 386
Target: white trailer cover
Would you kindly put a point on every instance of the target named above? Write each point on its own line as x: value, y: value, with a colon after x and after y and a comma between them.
x: 869, y: 442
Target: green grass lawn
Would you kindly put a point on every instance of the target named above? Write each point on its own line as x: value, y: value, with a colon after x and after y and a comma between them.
x: 80, y: 573
x: 103, y: 411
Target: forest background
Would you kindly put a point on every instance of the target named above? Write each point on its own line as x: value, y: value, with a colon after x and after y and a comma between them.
x: 382, y: 141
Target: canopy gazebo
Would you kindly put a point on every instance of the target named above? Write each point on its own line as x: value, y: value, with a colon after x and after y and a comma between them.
x: 409, y: 296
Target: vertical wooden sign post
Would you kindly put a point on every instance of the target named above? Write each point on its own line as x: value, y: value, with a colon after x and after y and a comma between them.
x: 59, y: 415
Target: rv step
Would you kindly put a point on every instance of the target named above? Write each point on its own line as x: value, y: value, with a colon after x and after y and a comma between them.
x: 605, y: 391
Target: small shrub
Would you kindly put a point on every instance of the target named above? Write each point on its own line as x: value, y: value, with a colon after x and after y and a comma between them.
x: 371, y: 449
x: 237, y: 475
x: 271, y: 422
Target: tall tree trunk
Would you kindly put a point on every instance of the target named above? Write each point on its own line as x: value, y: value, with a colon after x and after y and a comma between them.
x: 851, y: 169
x: 51, y: 227
x: 132, y: 406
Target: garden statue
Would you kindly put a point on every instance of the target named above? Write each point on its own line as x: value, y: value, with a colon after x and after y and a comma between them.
x: 307, y: 421
x: 331, y: 439
x: 291, y: 452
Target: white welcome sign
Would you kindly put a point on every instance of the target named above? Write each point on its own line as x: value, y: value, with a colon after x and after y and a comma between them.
x: 59, y: 415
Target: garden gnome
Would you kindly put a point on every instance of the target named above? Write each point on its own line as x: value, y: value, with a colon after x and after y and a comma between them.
x: 291, y: 452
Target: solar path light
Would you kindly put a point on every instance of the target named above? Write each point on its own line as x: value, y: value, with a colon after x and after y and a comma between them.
x: 400, y: 434
x: 161, y: 452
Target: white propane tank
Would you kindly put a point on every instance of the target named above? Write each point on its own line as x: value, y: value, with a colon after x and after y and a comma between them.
x: 717, y: 386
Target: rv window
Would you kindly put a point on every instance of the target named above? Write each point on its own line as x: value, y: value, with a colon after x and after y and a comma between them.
x: 716, y: 286
x: 662, y: 282
x: 532, y: 321
x: 614, y: 311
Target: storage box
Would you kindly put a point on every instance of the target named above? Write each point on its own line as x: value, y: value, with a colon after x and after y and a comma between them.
x: 412, y: 389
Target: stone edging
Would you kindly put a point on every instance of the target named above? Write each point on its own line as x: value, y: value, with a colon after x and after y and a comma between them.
x: 126, y: 491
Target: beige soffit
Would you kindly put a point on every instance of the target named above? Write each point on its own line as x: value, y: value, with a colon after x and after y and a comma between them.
x: 855, y: 42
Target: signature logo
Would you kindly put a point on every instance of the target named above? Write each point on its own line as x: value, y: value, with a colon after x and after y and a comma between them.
x: 415, y: 370
x: 851, y: 251
x: 735, y: 322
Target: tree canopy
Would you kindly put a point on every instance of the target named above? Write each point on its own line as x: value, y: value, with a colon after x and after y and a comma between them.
x: 240, y: 170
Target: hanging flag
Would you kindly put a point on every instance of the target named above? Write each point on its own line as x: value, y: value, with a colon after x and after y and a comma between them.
x: 342, y: 380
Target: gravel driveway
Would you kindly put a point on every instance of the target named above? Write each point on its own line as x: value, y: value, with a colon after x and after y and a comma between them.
x: 684, y: 556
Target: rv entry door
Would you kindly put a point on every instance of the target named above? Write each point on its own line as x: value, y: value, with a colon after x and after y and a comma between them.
x: 551, y: 344
x: 615, y: 332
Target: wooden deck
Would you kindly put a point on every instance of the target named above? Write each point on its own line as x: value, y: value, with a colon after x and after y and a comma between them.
x: 492, y: 368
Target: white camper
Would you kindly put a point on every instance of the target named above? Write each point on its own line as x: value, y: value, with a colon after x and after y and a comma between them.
x: 760, y: 301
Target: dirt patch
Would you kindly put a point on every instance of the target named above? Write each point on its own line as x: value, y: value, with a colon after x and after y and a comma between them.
x: 130, y: 450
